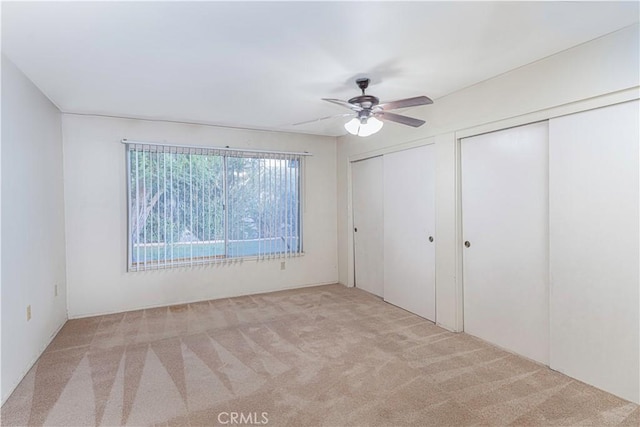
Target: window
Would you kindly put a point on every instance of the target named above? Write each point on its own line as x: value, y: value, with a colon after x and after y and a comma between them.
x: 191, y: 206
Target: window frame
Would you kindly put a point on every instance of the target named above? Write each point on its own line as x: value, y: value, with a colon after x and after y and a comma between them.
x: 225, y: 153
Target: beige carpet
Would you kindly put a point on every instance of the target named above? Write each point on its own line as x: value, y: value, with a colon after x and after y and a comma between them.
x: 327, y: 355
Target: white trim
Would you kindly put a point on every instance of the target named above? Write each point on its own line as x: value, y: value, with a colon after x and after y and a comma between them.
x: 351, y: 269
x: 549, y: 113
x: 302, y: 200
x: 193, y: 301
x: 459, y: 303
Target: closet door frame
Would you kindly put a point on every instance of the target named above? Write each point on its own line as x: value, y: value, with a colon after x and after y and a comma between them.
x: 458, y: 134
x: 350, y: 160
x: 522, y: 120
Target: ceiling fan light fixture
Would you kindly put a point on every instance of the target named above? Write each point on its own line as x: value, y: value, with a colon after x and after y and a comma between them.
x: 353, y: 126
x: 363, y: 126
x: 372, y: 126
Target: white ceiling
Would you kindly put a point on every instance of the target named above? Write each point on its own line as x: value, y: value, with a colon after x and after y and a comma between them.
x: 266, y: 65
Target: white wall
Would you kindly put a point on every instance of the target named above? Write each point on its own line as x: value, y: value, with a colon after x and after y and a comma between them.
x: 33, y: 245
x: 95, y: 206
x: 603, y: 68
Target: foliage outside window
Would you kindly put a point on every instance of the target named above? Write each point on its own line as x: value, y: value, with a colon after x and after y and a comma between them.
x: 190, y: 206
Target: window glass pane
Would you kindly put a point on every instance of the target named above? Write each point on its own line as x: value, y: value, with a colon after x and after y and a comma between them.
x: 263, y: 206
x: 176, y: 207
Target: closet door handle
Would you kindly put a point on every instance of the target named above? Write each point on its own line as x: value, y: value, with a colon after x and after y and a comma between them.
x: 467, y: 244
x: 431, y: 238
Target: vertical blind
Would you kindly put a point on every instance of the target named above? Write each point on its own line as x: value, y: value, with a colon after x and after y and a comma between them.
x: 190, y: 206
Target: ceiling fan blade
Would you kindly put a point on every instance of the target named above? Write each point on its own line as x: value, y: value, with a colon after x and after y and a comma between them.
x: 392, y: 117
x: 409, y: 102
x: 323, y: 118
x: 343, y: 104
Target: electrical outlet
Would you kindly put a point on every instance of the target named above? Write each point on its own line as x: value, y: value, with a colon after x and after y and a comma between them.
x: 28, y: 312
x: 282, y: 265
x: 55, y: 290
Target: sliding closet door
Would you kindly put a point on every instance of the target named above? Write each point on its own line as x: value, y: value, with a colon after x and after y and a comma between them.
x: 594, y: 254
x: 505, y: 222
x: 366, y: 184
x: 409, y: 230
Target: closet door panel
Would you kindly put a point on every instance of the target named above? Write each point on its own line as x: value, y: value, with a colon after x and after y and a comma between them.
x: 366, y: 180
x: 505, y: 221
x: 409, y: 222
x: 594, y: 247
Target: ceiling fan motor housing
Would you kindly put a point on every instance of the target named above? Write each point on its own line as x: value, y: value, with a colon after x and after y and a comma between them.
x: 364, y: 101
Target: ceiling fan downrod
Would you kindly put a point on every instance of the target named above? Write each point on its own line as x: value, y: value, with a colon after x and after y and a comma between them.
x: 363, y: 83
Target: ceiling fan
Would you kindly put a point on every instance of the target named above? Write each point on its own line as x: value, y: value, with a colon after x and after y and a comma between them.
x: 370, y: 114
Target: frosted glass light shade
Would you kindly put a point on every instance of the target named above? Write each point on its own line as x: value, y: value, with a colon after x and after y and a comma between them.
x: 356, y: 127
x: 372, y: 126
x: 353, y: 126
